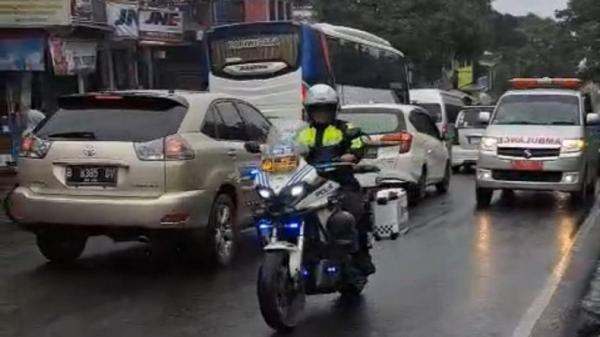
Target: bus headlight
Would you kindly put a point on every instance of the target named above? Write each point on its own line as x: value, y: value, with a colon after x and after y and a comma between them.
x: 489, y: 144
x: 572, y: 145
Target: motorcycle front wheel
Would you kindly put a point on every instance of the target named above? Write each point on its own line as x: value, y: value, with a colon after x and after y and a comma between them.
x: 281, y: 300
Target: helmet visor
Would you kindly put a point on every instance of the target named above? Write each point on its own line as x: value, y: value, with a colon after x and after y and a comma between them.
x: 322, y: 113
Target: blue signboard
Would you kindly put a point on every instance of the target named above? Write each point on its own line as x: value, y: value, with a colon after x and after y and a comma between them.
x: 22, y: 54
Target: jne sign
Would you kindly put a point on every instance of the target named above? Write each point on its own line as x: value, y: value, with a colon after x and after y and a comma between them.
x: 160, y: 25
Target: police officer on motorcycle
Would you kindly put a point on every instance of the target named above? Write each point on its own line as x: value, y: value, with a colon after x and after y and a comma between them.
x: 329, y: 139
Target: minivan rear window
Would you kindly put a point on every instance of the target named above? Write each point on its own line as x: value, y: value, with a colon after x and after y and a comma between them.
x: 434, y: 109
x: 118, y: 121
x: 469, y: 119
x: 375, y: 121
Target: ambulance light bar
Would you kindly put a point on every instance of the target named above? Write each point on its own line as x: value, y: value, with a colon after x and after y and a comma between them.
x: 535, y: 83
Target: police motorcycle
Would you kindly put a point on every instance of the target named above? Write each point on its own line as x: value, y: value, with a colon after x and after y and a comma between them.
x: 308, y: 240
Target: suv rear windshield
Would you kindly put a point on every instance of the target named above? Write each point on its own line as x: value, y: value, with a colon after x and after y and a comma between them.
x: 254, y: 44
x: 375, y: 121
x: 126, y: 119
x: 538, y: 110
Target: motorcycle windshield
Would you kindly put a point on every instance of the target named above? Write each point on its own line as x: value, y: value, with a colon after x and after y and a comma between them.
x: 282, y: 161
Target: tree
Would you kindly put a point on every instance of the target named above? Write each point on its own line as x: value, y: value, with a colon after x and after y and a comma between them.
x: 432, y: 33
x: 582, y: 18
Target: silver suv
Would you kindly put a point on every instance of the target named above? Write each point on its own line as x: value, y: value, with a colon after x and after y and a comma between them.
x: 537, y: 140
x: 164, y: 166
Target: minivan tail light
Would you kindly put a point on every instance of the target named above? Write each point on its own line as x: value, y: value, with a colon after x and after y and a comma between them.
x: 171, y: 148
x: 404, y: 140
x: 34, y: 147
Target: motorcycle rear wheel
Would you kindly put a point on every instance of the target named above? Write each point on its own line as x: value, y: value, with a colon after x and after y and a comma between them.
x: 281, y: 302
x: 354, y: 287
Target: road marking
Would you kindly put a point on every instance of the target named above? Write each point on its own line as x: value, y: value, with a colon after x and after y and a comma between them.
x: 535, y: 311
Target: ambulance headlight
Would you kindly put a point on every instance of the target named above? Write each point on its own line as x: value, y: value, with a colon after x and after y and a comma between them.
x: 489, y: 144
x: 572, y: 145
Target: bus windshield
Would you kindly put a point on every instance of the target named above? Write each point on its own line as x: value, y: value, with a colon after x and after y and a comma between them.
x: 249, y: 51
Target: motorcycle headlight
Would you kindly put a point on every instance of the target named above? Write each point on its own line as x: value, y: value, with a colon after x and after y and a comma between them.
x: 265, y: 193
x: 297, y: 191
x: 489, y: 144
x: 572, y: 145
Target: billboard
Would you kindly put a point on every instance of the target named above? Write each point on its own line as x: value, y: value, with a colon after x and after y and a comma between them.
x: 71, y: 57
x: 161, y: 25
x: 123, y: 17
x: 22, y: 54
x: 34, y: 13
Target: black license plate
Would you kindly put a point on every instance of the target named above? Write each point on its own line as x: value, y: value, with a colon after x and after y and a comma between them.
x: 371, y: 152
x: 91, y: 175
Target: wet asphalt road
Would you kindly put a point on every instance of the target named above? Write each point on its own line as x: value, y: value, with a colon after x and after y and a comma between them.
x: 458, y: 272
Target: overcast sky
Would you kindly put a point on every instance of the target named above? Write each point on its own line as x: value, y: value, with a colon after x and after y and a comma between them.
x: 523, y: 7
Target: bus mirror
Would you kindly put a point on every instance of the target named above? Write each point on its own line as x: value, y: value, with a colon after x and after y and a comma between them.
x: 587, y: 103
x: 592, y: 119
x: 400, y: 92
x: 484, y: 117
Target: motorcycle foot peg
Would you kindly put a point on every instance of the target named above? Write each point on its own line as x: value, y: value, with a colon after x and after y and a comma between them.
x: 327, y: 274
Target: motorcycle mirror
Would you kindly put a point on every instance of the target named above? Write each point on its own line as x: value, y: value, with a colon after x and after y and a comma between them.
x: 252, y: 147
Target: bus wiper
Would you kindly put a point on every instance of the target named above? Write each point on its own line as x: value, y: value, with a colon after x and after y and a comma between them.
x: 516, y: 123
x: 74, y: 135
x: 562, y: 123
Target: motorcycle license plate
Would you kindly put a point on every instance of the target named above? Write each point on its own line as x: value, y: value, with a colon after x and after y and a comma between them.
x: 283, y: 164
x: 527, y: 165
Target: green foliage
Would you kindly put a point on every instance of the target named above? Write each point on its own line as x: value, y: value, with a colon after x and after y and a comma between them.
x: 582, y: 18
x: 433, y: 33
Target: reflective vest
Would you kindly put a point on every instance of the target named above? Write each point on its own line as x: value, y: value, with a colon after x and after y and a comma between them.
x: 333, y: 142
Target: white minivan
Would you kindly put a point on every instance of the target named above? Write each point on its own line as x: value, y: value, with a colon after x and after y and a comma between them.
x: 444, y: 106
x: 410, y: 148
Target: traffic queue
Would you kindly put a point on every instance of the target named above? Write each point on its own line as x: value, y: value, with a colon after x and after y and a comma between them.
x: 313, y: 154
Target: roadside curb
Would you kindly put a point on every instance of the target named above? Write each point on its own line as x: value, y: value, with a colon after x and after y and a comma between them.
x: 561, y: 315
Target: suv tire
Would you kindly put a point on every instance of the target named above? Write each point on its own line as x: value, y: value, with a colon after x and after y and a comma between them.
x: 216, y: 245
x: 61, y: 247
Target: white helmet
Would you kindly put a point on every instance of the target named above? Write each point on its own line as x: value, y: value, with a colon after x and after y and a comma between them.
x: 321, y: 94
x: 321, y: 98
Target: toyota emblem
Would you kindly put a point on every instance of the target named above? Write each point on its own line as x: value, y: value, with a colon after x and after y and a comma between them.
x: 89, y: 151
x: 528, y: 154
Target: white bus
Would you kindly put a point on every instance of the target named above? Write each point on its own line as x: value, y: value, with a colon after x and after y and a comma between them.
x: 272, y: 65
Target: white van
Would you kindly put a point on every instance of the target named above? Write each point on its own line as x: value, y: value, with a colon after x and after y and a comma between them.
x: 444, y: 106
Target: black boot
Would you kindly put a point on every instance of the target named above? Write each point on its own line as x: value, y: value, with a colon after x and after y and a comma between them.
x: 364, y: 262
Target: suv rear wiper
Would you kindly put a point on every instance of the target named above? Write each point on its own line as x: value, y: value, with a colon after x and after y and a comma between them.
x: 75, y: 135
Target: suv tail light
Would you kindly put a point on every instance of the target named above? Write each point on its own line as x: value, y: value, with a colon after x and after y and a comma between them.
x: 34, y: 147
x: 171, y: 148
x: 404, y: 140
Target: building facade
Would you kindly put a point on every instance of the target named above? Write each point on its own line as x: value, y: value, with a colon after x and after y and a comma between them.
x: 50, y: 48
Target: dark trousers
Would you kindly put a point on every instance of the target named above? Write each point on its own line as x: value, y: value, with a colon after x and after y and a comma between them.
x: 354, y: 202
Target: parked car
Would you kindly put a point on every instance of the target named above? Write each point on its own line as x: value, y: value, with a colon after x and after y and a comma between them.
x: 165, y: 166
x: 469, y: 131
x: 415, y: 152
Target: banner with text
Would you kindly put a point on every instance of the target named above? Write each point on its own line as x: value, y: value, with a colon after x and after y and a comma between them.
x: 34, y: 13
x: 160, y: 25
x: 123, y: 18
